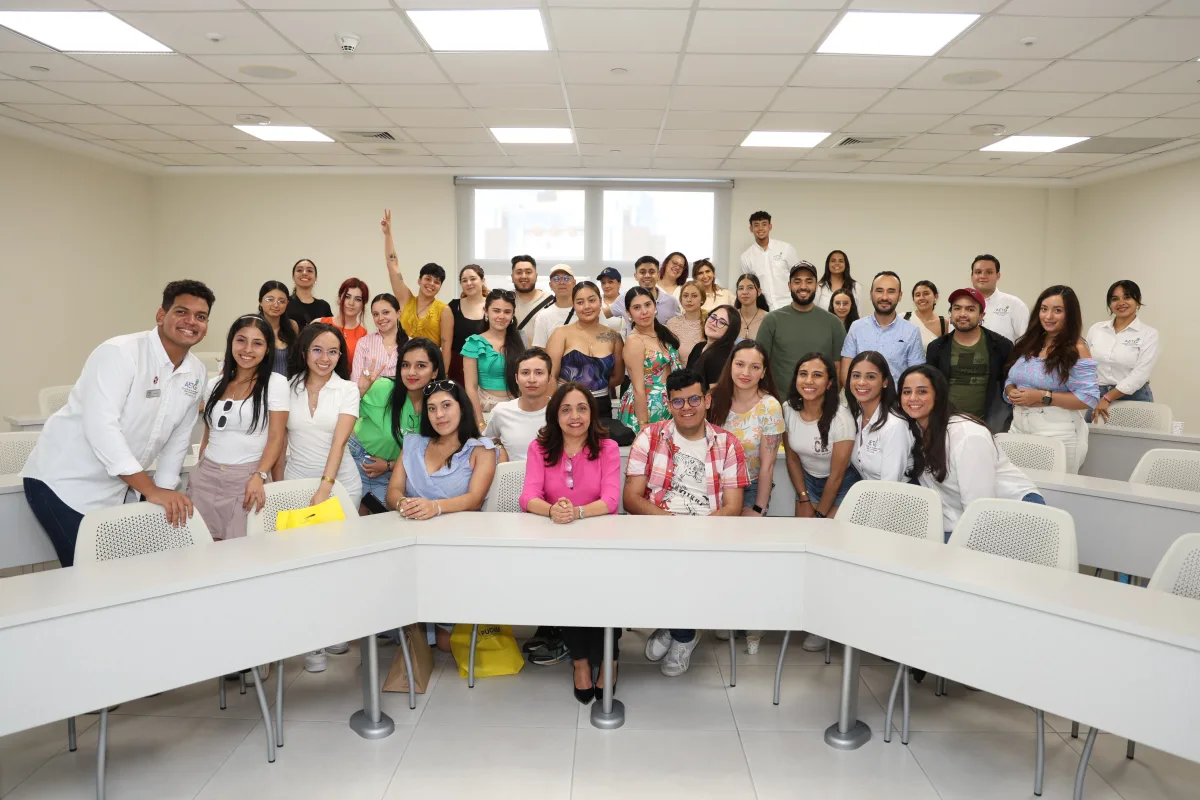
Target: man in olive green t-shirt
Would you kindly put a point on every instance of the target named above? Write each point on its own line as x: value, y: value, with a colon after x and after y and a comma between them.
x: 794, y: 330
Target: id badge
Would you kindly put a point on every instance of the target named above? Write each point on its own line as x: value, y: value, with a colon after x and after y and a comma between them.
x: 153, y: 393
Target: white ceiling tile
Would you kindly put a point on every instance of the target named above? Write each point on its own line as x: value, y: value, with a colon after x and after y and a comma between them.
x: 889, y: 168
x: 541, y: 149
x: 722, y: 98
x: 273, y: 159
x: 1069, y: 159
x: 775, y: 121
x: 306, y: 71
x: 317, y: 31
x: 928, y: 101
x: 1025, y: 171
x: 551, y: 162
x: 1179, y: 144
x: 464, y: 148
x: 1179, y: 8
x: 871, y: 72
x: 432, y: 117
x: 1133, y: 105
x: 687, y: 163
x: 1057, y: 37
x: 187, y: 33
x: 419, y: 96
x: 693, y: 151
x: 1080, y: 8
x: 1188, y: 112
x: 120, y: 147
x: 620, y: 161
x: 817, y: 5
x: 768, y: 153
x: 1164, y: 39
x: 150, y: 68
x: 618, y: 30
x: 314, y: 94
x: 1090, y: 76
x: 268, y: 5
x: 12, y: 113
x: 702, y: 137
x: 590, y: 118
x: 11, y: 42
x: 125, y: 132
x: 25, y: 92
x: 524, y: 118
x: 228, y: 115
x: 397, y: 148
x: 196, y: 133
x: 963, y: 123
x: 339, y: 160
x: 745, y: 31
x: 1010, y: 71
x: 1078, y: 126
x: 61, y: 68
x: 449, y: 134
x: 1075, y: 173
x: 310, y: 148
x: 598, y: 3
x: 997, y: 159
x: 625, y: 150
x: 1047, y: 104
x: 342, y: 117
x: 1150, y: 127
x: 895, y: 123
x: 824, y: 167
x: 237, y: 146
x: 921, y: 156
x: 67, y: 130
x: 207, y: 160
x: 942, y: 141
x: 932, y: 6
x: 207, y: 94
x: 161, y: 115
x: 739, y: 70
x: 169, y: 5
x: 499, y: 67
x: 107, y: 92
x: 964, y: 170
x: 623, y: 97
x: 1183, y: 78
x: 156, y: 159
x: 827, y: 152
x: 836, y: 100
x: 529, y: 95
x: 168, y: 146
x: 617, y: 136
x: 756, y: 165
x: 711, y: 120
x: 641, y: 69
x: 477, y: 161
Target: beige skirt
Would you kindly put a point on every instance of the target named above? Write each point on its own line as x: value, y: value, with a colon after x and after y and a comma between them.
x: 217, y: 491
x: 489, y: 400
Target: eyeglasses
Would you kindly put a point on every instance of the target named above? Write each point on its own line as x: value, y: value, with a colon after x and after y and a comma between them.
x: 561, y: 279
x: 273, y: 300
x: 570, y: 473
x: 720, y: 322
x: 226, y: 407
x: 317, y: 352
x: 439, y: 386
x: 694, y: 401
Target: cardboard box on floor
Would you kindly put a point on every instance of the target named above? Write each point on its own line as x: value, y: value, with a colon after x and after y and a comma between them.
x: 422, y: 659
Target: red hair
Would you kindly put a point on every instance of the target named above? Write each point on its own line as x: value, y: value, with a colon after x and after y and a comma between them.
x: 347, y: 285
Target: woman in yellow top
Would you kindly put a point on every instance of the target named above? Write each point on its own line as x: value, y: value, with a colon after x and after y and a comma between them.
x: 421, y: 313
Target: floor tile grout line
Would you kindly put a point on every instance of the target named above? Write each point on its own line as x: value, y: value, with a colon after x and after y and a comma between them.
x: 208, y: 780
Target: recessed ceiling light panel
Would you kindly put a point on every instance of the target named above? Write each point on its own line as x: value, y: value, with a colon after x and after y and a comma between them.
x: 284, y: 133
x: 971, y: 77
x: 1034, y: 144
x: 481, y: 29
x: 267, y: 72
x: 533, y: 135
x: 785, y: 138
x: 81, y: 31
x: 877, y: 33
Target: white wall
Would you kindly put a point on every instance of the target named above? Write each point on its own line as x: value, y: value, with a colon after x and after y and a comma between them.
x: 74, y: 253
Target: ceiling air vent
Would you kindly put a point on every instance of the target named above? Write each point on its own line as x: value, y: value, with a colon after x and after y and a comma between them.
x: 379, y: 136
x: 867, y: 141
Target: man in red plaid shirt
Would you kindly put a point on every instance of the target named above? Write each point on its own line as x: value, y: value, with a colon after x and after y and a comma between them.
x: 688, y: 467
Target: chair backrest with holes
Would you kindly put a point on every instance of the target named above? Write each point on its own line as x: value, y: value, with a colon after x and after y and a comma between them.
x: 1033, y: 452
x: 52, y: 398
x: 1179, y: 571
x: 507, y: 485
x: 897, y: 507
x: 14, y: 451
x: 287, y: 495
x: 1170, y: 469
x: 134, y: 529
x: 1144, y: 416
x: 1018, y: 530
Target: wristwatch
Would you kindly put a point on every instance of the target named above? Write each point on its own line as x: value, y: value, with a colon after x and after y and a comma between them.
x: 580, y: 510
x: 757, y: 509
x: 265, y: 477
x: 1048, y: 398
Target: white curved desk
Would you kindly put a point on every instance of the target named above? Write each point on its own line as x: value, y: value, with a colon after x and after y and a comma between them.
x: 1113, y: 452
x: 969, y: 616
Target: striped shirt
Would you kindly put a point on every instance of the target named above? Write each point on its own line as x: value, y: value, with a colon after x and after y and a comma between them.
x: 653, y: 456
x: 371, y: 348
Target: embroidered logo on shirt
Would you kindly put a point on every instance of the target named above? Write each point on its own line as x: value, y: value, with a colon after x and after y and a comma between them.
x: 1133, y: 342
x: 191, y: 388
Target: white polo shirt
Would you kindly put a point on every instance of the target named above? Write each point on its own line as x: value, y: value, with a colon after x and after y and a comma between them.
x: 771, y: 266
x: 129, y: 407
x: 884, y: 454
x: 1124, y: 359
x: 1006, y: 314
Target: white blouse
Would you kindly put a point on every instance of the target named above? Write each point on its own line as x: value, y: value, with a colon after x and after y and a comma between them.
x: 1124, y: 359
x: 884, y: 454
x: 229, y: 438
x: 310, y: 436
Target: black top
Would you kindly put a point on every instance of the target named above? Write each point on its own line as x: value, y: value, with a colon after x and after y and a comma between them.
x: 463, y: 327
x: 305, y: 313
x: 711, y: 363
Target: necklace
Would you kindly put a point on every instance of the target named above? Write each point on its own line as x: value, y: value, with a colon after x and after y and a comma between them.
x: 747, y: 323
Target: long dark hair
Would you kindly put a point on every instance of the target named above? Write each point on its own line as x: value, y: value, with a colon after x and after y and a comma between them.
x: 888, y: 398
x: 847, y: 281
x: 400, y: 391
x: 262, y: 373
x: 722, y: 392
x: 760, y: 303
x: 311, y: 263
x: 1065, y: 351
x: 287, y: 334
x: 514, y: 345
x: 664, y: 335
x: 297, y: 367
x: 829, y: 404
x: 467, y: 429
x: 852, y: 317
x: 929, y: 446
x: 550, y: 437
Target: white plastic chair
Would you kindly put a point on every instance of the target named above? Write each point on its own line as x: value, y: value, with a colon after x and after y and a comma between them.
x: 52, y: 398
x: 507, y: 485
x: 211, y: 360
x: 1143, y: 416
x: 293, y: 494
x: 1027, y: 532
x: 1170, y: 469
x: 1033, y: 452
x: 14, y: 451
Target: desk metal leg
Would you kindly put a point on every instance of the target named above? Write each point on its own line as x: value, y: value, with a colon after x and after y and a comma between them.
x: 71, y: 735
x: 279, y: 703
x: 609, y: 713
x: 1074, y: 730
x: 471, y: 662
x: 732, y: 659
x: 266, y: 713
x: 101, y: 754
x: 1040, y: 766
x: 779, y: 667
x: 891, y: 706
x: 371, y: 722
x: 1081, y: 773
x: 1129, y: 747
x: 848, y: 733
x: 412, y: 684
x: 221, y: 691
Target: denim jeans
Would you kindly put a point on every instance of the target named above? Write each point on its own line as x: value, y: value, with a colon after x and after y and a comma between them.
x: 376, y: 486
x: 683, y: 635
x: 1142, y: 395
x: 58, y: 520
x: 816, y: 486
x: 1032, y: 497
x: 750, y: 495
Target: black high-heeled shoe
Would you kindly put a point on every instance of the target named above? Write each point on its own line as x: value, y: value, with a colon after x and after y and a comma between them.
x: 584, y: 696
x: 616, y: 682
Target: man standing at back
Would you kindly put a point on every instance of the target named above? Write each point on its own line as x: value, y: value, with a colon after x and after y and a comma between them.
x: 645, y: 270
x: 530, y: 299
x: 769, y: 260
x: 136, y: 401
x: 1007, y: 314
x: 897, y: 339
x: 798, y: 328
x: 972, y: 358
x: 562, y: 283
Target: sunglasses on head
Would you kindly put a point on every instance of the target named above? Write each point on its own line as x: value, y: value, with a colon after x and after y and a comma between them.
x: 439, y: 386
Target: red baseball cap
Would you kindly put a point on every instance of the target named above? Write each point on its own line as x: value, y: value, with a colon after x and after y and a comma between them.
x: 974, y: 294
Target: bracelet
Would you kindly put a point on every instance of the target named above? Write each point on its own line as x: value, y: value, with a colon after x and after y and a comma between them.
x: 439, y: 508
x: 580, y: 510
x: 326, y: 479
x: 804, y: 495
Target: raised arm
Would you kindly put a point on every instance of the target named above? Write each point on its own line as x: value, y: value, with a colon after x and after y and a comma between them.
x: 399, y: 288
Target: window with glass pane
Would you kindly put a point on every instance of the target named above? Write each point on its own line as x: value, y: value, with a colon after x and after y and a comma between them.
x: 545, y: 222
x: 640, y: 223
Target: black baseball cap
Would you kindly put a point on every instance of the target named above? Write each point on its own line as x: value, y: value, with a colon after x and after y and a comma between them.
x: 802, y: 265
x: 609, y: 272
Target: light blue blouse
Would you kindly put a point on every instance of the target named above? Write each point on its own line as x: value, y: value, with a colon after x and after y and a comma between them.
x: 1031, y: 373
x: 447, y: 481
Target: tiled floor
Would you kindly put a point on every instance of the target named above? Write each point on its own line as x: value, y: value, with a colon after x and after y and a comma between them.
x: 525, y: 736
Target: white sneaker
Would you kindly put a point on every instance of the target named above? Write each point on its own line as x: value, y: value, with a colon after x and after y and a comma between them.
x: 658, y: 644
x: 722, y: 636
x: 679, y: 657
x: 341, y: 648
x: 316, y: 661
x: 752, y: 643
x: 813, y: 643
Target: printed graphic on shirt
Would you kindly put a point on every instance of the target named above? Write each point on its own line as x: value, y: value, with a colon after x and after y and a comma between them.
x: 686, y: 495
x: 191, y: 388
x: 818, y: 448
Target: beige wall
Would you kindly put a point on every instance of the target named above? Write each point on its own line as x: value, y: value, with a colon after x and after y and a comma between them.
x: 74, y: 254
x: 1146, y: 227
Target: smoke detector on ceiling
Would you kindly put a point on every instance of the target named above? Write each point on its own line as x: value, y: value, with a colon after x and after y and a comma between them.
x: 347, y: 42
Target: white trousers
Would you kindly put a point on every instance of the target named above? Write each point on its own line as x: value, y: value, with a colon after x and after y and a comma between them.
x: 1056, y: 423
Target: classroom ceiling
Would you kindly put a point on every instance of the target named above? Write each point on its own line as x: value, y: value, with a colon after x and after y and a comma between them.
x: 649, y: 87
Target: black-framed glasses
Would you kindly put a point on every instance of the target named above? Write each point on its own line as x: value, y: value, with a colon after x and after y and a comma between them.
x: 439, y: 386
x: 694, y: 401
x: 226, y: 407
x: 720, y: 322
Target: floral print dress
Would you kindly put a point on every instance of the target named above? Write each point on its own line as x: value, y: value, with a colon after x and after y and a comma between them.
x: 656, y: 365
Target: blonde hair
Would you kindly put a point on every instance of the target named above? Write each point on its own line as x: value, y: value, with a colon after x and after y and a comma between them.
x: 699, y: 288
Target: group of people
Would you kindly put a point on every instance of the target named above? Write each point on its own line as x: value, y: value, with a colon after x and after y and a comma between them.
x: 414, y: 417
